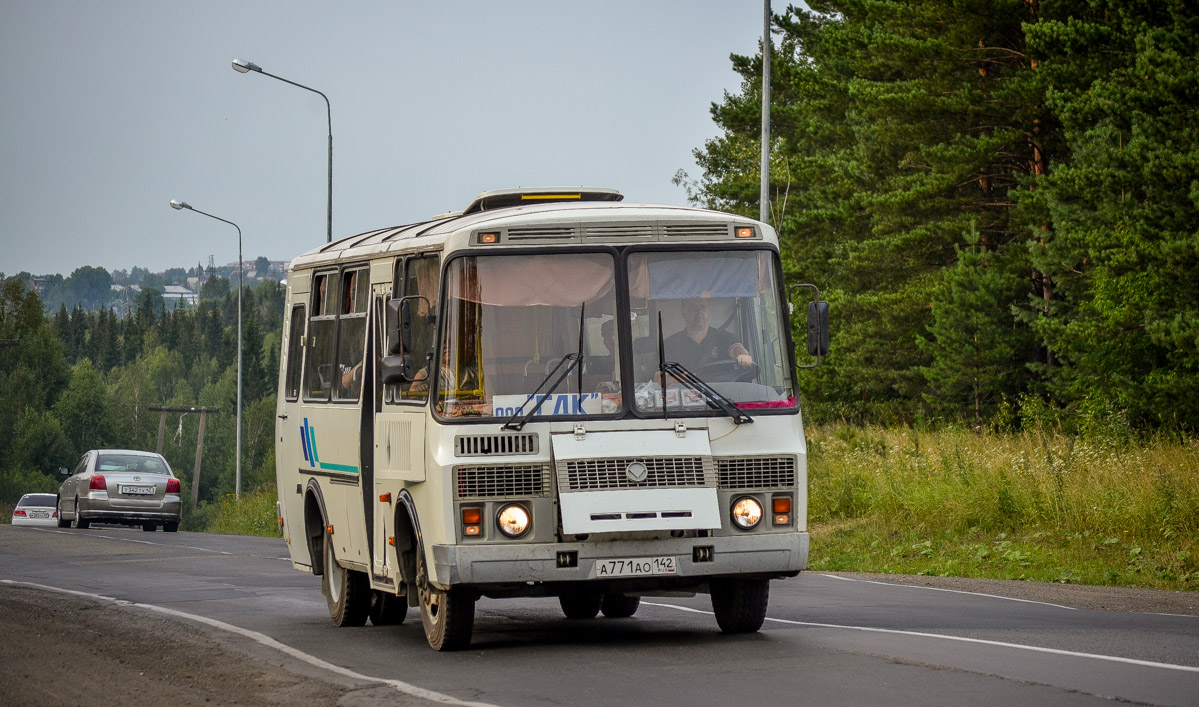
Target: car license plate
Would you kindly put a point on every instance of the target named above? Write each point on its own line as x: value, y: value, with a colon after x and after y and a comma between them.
x: 39, y: 514
x: 635, y: 567
x: 137, y: 490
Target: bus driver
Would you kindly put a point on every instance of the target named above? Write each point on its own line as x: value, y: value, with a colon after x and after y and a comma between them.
x: 700, y: 344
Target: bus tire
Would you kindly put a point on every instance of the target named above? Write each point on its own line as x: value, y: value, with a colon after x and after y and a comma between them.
x: 347, y: 592
x: 619, y: 606
x: 387, y: 609
x: 448, y: 616
x: 580, y: 602
x: 740, y: 604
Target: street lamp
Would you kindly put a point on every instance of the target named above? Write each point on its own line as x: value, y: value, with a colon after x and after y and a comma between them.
x: 242, y: 66
x: 240, y: 273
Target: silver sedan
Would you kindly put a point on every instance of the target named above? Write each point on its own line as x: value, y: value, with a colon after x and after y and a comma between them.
x: 120, y: 486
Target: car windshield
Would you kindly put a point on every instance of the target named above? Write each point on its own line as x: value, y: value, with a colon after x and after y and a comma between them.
x: 37, y: 500
x: 717, y: 314
x: 131, y: 462
x: 510, y: 320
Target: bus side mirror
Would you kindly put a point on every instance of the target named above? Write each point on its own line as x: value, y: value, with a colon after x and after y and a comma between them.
x: 395, y: 326
x: 397, y: 369
x: 818, y: 328
x: 64, y: 471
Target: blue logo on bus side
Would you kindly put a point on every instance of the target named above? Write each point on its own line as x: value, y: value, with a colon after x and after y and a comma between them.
x: 308, y: 444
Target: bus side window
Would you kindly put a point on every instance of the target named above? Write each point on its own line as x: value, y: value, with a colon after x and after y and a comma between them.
x: 322, y: 332
x: 295, y: 349
x: 420, y: 280
x: 355, y: 289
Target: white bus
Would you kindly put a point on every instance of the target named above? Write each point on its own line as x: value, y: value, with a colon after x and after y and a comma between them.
x: 474, y: 406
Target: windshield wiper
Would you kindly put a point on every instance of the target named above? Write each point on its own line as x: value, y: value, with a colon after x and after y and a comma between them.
x: 715, y: 400
x: 518, y: 421
x: 566, y: 365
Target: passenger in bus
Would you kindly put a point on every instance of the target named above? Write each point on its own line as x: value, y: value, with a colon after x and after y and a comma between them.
x: 699, y: 344
x: 604, y: 363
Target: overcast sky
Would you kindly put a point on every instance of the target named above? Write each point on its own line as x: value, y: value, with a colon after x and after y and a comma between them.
x: 108, y: 110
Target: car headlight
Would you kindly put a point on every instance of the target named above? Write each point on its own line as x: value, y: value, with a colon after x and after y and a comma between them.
x: 747, y: 512
x: 513, y: 520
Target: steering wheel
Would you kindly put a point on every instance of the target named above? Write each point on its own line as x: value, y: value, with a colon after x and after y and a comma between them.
x: 728, y: 370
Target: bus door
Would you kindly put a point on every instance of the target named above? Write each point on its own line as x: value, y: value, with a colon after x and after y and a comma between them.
x: 289, y: 451
x: 401, y: 409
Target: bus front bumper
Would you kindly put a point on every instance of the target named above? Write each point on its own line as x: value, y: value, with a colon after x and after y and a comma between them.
x: 779, y: 554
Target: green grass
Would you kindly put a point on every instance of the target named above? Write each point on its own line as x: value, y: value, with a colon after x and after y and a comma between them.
x: 1007, y: 506
x: 254, y: 514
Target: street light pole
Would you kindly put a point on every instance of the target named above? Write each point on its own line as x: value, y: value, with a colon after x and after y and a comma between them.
x: 240, y: 274
x: 764, y: 192
x: 241, y: 66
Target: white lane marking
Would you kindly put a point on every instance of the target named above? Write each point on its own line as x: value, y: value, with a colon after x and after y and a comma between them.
x: 399, y: 685
x: 1000, y: 644
x: 953, y: 591
x: 142, y: 542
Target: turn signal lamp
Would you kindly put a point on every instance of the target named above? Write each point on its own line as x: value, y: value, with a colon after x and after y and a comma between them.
x: 472, y: 522
x: 744, y: 232
x: 781, y: 507
x: 97, y: 484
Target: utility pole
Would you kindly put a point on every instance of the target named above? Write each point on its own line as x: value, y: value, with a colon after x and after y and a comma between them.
x: 162, y: 423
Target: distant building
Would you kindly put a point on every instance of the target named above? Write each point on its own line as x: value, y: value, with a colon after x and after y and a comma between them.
x: 38, y: 285
x: 177, y: 293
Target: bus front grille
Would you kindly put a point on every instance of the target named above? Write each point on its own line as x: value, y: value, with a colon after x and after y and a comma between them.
x: 499, y: 445
x: 502, y: 481
x: 661, y: 472
x: 756, y: 472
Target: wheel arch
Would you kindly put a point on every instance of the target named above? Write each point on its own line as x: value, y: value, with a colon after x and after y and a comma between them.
x: 408, y: 540
x: 315, y: 521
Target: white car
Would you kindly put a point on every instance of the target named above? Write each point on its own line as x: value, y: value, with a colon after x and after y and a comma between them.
x: 36, y: 509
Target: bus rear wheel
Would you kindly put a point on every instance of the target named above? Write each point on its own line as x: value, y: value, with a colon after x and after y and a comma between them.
x: 740, y: 604
x: 347, y: 592
x: 448, y: 616
x: 580, y: 602
x: 387, y: 609
x: 619, y: 606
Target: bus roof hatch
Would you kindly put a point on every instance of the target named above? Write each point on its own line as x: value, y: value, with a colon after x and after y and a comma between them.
x: 507, y: 198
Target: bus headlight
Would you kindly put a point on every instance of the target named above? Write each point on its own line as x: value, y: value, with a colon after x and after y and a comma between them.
x: 747, y: 512
x: 513, y: 520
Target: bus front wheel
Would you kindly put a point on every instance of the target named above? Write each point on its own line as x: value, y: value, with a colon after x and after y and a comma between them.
x: 740, y: 604
x: 347, y: 592
x: 448, y: 616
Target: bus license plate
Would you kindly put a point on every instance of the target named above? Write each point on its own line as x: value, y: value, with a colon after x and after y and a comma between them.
x: 636, y: 567
x: 137, y: 490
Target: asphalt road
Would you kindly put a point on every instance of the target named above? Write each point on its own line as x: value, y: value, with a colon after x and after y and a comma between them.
x: 842, y: 640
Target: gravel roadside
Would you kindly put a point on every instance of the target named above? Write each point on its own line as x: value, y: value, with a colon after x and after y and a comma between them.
x: 66, y: 650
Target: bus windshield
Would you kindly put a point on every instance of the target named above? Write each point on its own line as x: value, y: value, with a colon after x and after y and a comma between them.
x: 717, y: 314
x: 510, y: 320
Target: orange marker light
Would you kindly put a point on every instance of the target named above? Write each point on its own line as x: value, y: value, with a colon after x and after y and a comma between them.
x: 385, y: 498
x: 489, y: 238
x: 330, y: 528
x: 744, y: 232
x: 471, y: 530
